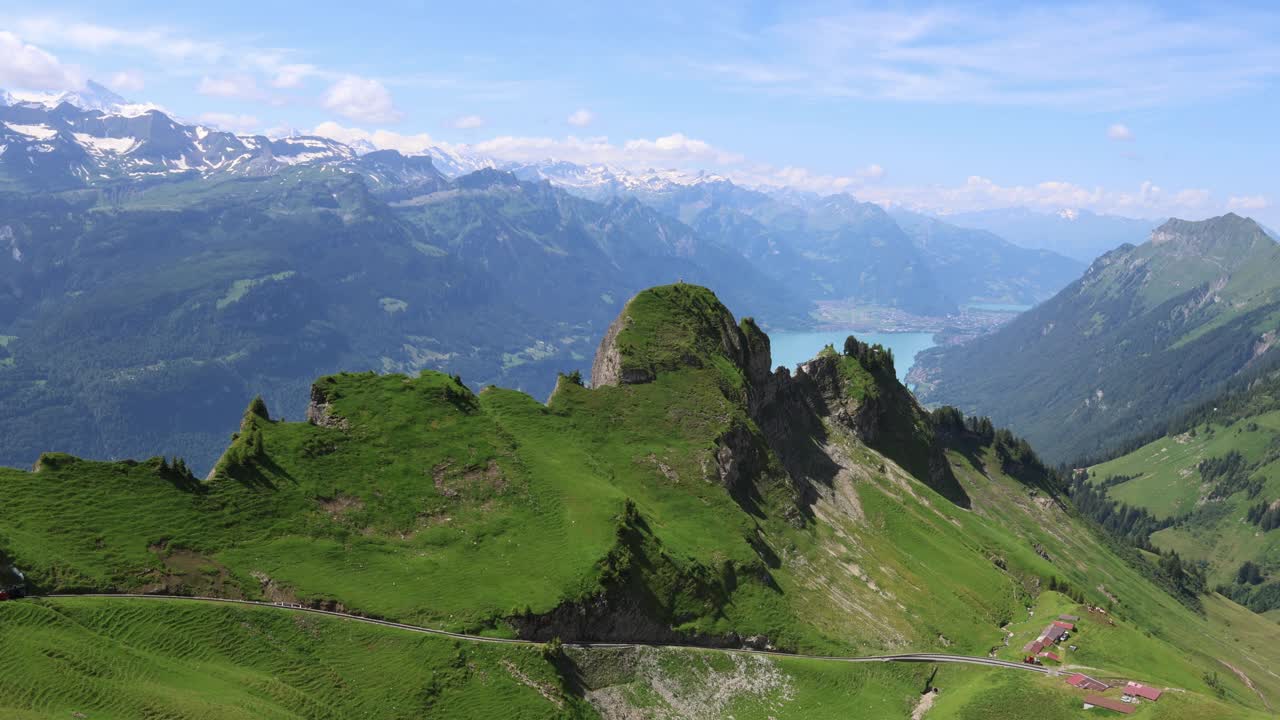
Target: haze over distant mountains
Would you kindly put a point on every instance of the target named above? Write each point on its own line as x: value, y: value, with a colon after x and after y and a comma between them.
x: 1078, y: 234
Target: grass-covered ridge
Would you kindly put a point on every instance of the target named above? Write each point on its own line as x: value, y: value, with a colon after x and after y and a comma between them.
x: 714, y: 504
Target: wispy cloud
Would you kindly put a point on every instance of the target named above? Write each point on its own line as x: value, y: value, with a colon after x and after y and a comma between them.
x: 127, y: 81
x: 1093, y: 55
x: 468, y: 122
x: 1119, y: 132
x: 1248, y: 202
x: 980, y: 193
x: 581, y: 117
x: 231, y: 122
x: 239, y: 86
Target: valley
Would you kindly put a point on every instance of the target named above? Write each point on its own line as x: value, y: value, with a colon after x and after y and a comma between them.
x: 790, y: 512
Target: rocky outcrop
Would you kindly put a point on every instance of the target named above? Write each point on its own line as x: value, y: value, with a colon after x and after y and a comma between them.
x: 320, y: 412
x: 606, y: 368
x: 611, y: 617
x: 672, y: 327
x: 740, y: 459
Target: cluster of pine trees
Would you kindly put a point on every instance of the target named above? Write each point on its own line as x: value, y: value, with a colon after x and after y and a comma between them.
x: 1229, y: 475
x: 872, y: 357
x: 1133, y: 525
x: 1185, y: 579
x: 1251, y: 589
x: 1265, y: 515
x: 951, y: 420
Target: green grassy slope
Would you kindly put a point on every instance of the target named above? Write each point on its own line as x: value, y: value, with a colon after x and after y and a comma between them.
x: 1173, y: 477
x: 105, y: 659
x: 131, y: 659
x: 710, y: 505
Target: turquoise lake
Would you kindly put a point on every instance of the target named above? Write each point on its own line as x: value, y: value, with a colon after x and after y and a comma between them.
x: 792, y: 348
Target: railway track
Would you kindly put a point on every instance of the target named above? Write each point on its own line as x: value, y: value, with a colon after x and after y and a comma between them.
x: 290, y: 607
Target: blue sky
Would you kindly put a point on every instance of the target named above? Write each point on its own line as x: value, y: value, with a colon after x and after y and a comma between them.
x: 1136, y: 109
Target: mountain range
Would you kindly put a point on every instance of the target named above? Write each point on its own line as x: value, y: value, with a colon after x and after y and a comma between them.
x: 1156, y: 328
x: 150, y: 266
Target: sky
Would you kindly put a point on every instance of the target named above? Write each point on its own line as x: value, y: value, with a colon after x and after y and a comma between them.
x: 1144, y: 110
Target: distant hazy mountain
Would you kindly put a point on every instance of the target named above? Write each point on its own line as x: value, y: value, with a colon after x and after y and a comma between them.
x: 1078, y: 234
x: 981, y: 266
x: 1144, y: 332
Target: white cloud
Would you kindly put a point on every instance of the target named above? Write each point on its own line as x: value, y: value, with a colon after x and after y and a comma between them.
x: 468, y: 122
x: 231, y: 122
x: 1248, y: 202
x: 679, y: 147
x: 363, y: 99
x: 581, y: 117
x: 238, y: 86
x: 1120, y: 132
x: 292, y: 75
x: 127, y: 81
x: 381, y: 139
x: 28, y: 67
x: 797, y: 178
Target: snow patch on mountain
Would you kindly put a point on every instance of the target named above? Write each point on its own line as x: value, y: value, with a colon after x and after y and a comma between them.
x: 106, y: 144
x: 39, y: 132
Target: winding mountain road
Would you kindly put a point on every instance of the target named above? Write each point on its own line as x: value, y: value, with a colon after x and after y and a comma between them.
x: 906, y: 657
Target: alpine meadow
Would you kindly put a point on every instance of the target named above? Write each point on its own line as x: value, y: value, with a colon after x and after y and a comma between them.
x: 445, y: 362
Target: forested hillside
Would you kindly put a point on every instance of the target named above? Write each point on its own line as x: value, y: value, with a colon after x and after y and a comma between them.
x: 1146, y: 333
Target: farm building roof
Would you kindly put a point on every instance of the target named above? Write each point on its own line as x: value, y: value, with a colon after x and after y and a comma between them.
x: 1085, y: 682
x: 1108, y: 703
x: 1064, y: 625
x: 1143, y: 691
x: 1069, y: 618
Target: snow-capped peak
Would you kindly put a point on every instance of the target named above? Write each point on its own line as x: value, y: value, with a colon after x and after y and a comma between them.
x: 601, y: 179
x: 458, y: 160
x: 91, y: 97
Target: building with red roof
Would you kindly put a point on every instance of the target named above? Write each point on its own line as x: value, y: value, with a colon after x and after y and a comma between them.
x: 1134, y: 689
x: 1033, y: 647
x: 1051, y: 655
x: 1084, y: 682
x: 1108, y: 703
x: 1064, y: 625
